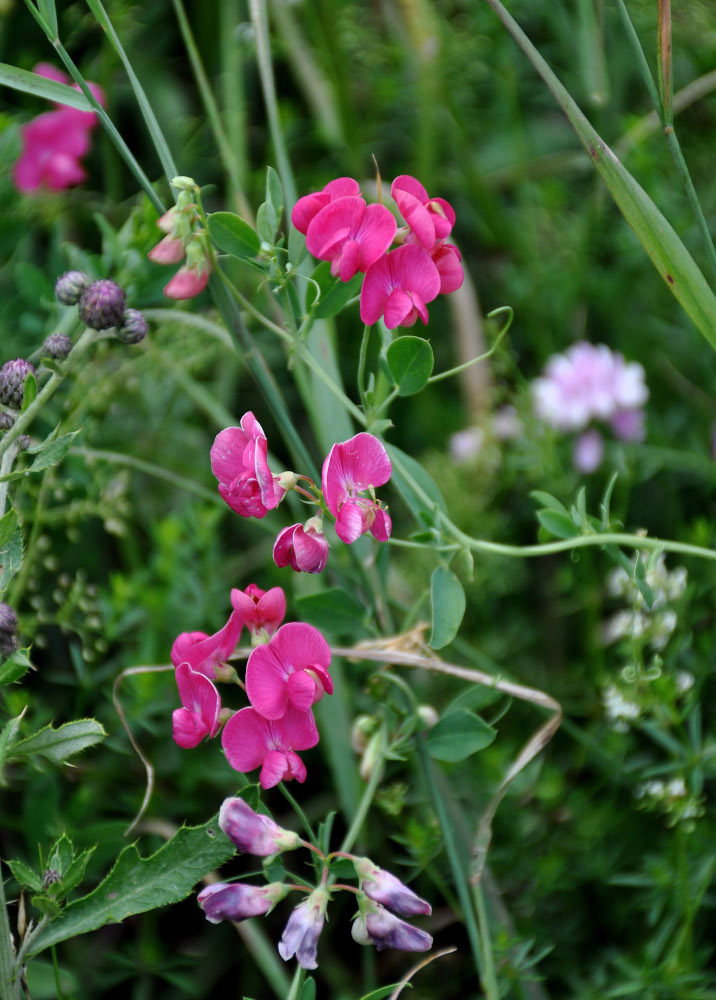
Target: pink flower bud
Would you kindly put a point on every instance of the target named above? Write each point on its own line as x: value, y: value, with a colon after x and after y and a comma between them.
x: 167, y: 251
x: 384, y: 930
x: 187, y: 283
x: 253, y: 833
x: 304, y: 549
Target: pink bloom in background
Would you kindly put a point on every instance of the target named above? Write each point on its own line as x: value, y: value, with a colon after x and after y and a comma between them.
x: 351, y: 234
x: 53, y: 143
x: 204, y: 652
x: 252, y: 832
x: 398, y: 286
x: 352, y: 468
x: 250, y: 741
x: 311, y: 204
x: 199, y: 715
x: 260, y: 610
x: 588, y: 451
x: 430, y: 219
x: 303, y: 548
x: 290, y: 671
x: 239, y: 461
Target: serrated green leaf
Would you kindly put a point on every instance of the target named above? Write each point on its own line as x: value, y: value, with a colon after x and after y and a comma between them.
x: 274, y: 192
x: 233, y: 236
x: 333, y: 610
x: 59, y: 744
x: 458, y: 735
x: 266, y: 222
x: 447, y: 599
x: 10, y: 555
x: 7, y: 735
x: 9, y: 523
x: 25, y: 876
x: 50, y: 452
x: 136, y: 884
x: 558, y: 524
x: 29, y: 391
x: 47, y: 907
x: 40, y: 86
x: 15, y: 667
x: 76, y: 872
x: 61, y: 853
x: 410, y: 360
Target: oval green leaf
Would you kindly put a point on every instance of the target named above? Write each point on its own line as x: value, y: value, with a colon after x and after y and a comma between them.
x: 233, y: 236
x: 458, y: 735
x: 448, y: 603
x: 410, y: 360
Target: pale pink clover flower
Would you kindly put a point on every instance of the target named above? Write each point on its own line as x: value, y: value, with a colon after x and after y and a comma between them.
x: 351, y: 469
x: 250, y: 741
x: 240, y: 463
x: 290, y: 671
x: 199, y: 715
x: 398, y: 286
x: 351, y: 235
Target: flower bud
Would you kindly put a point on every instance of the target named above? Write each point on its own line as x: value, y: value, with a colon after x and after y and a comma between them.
x: 12, y: 381
x: 8, y: 629
x: 133, y: 328
x: 305, y: 550
x: 101, y: 306
x: 300, y: 936
x: 69, y: 287
x: 57, y: 346
x: 253, y: 833
x: 170, y: 250
x: 187, y: 283
x: 428, y: 716
x: 183, y: 183
x: 362, y: 729
x: 6, y: 420
x: 380, y: 927
x: 238, y: 901
x: 382, y: 887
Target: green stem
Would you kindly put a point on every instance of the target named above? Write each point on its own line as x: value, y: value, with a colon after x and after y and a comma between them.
x: 56, y: 969
x: 299, y: 811
x: 365, y: 802
x: 482, y: 357
x: 7, y: 957
x: 180, y: 482
x: 491, y: 989
x: 296, y: 984
x: 6, y: 464
x: 362, y: 357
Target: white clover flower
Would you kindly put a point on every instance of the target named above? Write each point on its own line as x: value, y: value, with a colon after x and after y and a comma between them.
x: 684, y: 681
x: 619, y: 710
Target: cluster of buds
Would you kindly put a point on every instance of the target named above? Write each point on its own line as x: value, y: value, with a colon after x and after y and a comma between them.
x: 351, y: 472
x: 185, y: 239
x: 9, y: 643
x: 287, y: 672
x: 382, y: 898
x: 101, y: 306
x: 12, y: 385
x: 339, y: 227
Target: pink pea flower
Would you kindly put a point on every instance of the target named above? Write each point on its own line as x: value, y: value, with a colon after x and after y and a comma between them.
x: 311, y: 204
x: 351, y: 234
x: 382, y: 887
x: 384, y: 930
x: 447, y: 259
x: 250, y: 741
x: 252, y: 832
x: 291, y: 670
x: 238, y: 901
x: 205, y: 652
x: 239, y: 461
x: 300, y: 936
x: 188, y: 282
x: 303, y: 548
x: 351, y: 468
x: 259, y: 610
x: 169, y: 250
x: 199, y: 715
x: 398, y: 286
x: 430, y: 219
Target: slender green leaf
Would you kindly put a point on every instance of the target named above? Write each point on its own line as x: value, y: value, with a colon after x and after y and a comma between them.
x: 558, y: 524
x: 334, y: 293
x: 7, y: 735
x: 15, y: 667
x: 384, y: 991
x: 40, y: 86
x: 547, y: 500
x: 448, y: 603
x: 59, y: 744
x: 136, y: 884
x: 266, y: 222
x: 296, y: 247
x: 410, y: 360
x: 233, y: 236
x: 25, y: 876
x: 274, y: 192
x: 49, y: 12
x: 29, y: 390
x: 662, y: 244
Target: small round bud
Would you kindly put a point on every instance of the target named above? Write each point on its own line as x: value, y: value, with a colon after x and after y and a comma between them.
x: 69, y: 287
x: 12, y: 381
x: 57, y: 346
x: 50, y: 877
x: 23, y: 442
x: 183, y: 183
x: 428, y: 716
x: 133, y: 328
x: 101, y: 305
x: 6, y: 420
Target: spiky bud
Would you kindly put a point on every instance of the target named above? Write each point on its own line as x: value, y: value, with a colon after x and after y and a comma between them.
x: 8, y: 629
x: 6, y: 420
x: 101, y: 305
x: 23, y: 442
x: 70, y: 285
x: 133, y: 328
x: 12, y: 381
x: 57, y: 346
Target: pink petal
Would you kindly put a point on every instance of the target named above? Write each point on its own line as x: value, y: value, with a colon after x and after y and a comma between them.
x: 310, y: 551
x: 266, y: 677
x: 251, y: 427
x: 356, y: 464
x: 447, y: 261
x: 283, y: 546
x: 306, y: 208
x: 350, y: 260
x: 382, y: 526
x: 301, y: 689
x: 398, y: 308
x: 271, y: 609
x: 296, y: 767
x: 244, y: 740
x: 341, y: 216
x: 375, y: 291
x: 183, y: 644
x: 414, y: 271
x: 274, y: 769
x: 271, y: 492
x: 168, y: 251
x: 342, y: 187
x: 199, y: 696
x: 376, y: 233
x: 227, y: 454
x: 299, y: 646
x: 404, y: 182
x: 443, y: 216
x: 188, y: 730
x: 349, y: 523
x: 418, y: 218
x: 186, y: 283
x: 297, y: 730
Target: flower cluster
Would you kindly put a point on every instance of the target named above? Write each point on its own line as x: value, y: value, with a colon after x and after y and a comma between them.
x: 591, y: 383
x: 54, y: 142
x: 355, y: 237
x: 351, y: 471
x: 184, y: 239
x: 655, y: 623
x: 286, y: 674
x: 382, y: 898
x: 101, y: 305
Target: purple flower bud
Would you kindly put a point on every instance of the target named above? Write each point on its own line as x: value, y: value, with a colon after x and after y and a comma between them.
x: 238, y: 901
x: 133, y: 328
x: 12, y: 381
x: 384, y: 930
x: 253, y: 833
x: 382, y: 887
x: 101, y: 305
x: 6, y: 420
x: 69, y: 287
x: 57, y: 346
x: 300, y: 936
x: 23, y: 442
x: 8, y: 627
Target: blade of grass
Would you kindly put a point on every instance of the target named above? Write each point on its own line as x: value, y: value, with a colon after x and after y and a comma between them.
x: 40, y: 86
x: 662, y: 244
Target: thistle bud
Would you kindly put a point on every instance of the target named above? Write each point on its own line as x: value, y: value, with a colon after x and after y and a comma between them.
x: 57, y: 346
x: 69, y: 287
x: 12, y: 381
x: 8, y: 629
x: 133, y: 328
x: 6, y: 420
x: 101, y: 306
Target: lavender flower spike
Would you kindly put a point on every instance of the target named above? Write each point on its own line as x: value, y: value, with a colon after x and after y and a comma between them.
x: 382, y: 887
x: 380, y: 927
x: 238, y: 901
x: 300, y: 936
x: 253, y: 833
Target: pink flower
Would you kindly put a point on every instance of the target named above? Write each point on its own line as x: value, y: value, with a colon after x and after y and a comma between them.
x: 252, y: 832
x: 289, y: 671
x: 350, y: 469
x: 260, y: 610
x: 398, y: 285
x: 169, y: 250
x: 430, y: 219
x: 311, y: 204
x: 204, y: 652
x: 199, y: 715
x: 382, y: 887
x: 250, y: 741
x: 351, y: 235
x: 304, y: 549
x: 53, y: 143
x: 238, y: 901
x: 187, y: 283
x: 300, y: 936
x: 447, y: 259
x: 588, y: 451
x: 239, y: 461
